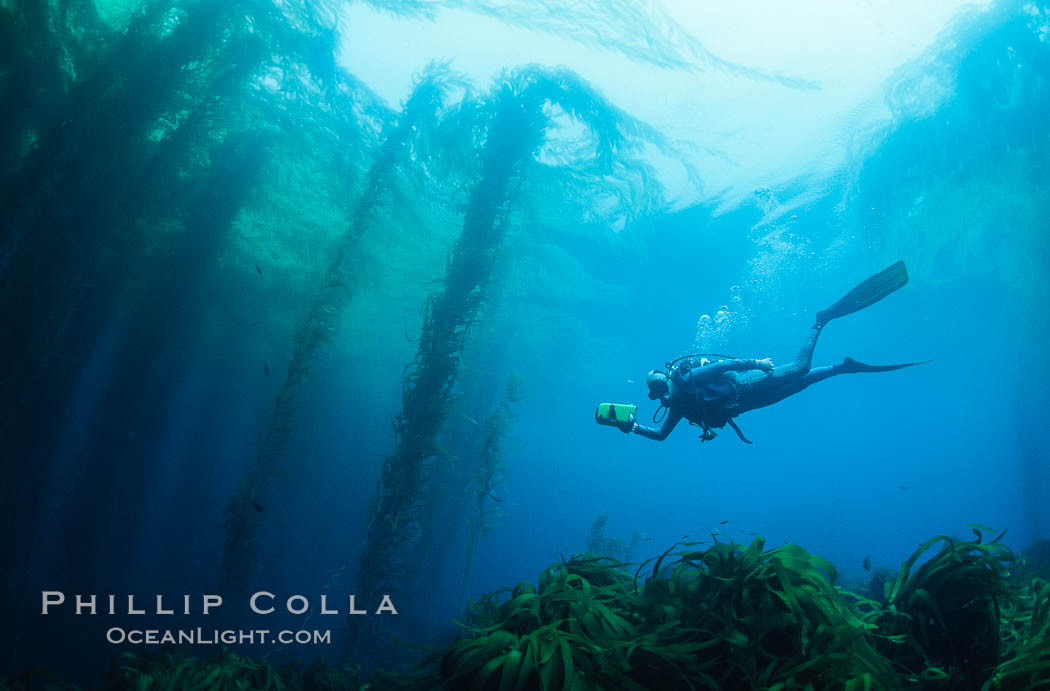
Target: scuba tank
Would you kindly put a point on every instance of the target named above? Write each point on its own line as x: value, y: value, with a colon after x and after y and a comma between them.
x: 677, y: 369
x: 673, y: 366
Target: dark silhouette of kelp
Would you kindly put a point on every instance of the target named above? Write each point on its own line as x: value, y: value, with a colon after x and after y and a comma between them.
x: 486, y: 507
x: 318, y: 325
x: 617, y: 548
x: 128, y: 132
x: 510, y: 132
x: 124, y: 173
x: 75, y: 198
x: 109, y: 147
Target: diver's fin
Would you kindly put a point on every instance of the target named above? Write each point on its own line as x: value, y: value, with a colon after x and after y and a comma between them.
x: 867, y: 293
x: 851, y: 365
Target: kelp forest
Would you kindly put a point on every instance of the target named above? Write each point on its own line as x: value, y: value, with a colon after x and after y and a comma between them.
x: 217, y: 242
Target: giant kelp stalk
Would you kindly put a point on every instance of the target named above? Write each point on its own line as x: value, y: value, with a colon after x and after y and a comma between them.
x: 449, y: 495
x: 316, y: 328
x: 511, y: 133
x: 100, y: 153
x: 120, y: 135
x: 143, y: 158
x: 486, y: 507
x: 598, y: 542
x: 74, y: 191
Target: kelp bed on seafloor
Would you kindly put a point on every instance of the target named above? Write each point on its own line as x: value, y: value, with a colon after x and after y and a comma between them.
x: 724, y: 616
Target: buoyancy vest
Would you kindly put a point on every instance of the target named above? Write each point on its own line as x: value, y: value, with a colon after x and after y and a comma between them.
x: 706, y: 403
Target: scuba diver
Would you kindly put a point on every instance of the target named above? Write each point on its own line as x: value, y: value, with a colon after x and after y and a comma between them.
x: 711, y: 390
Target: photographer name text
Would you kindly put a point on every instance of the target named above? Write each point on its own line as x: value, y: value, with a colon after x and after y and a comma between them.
x: 261, y: 602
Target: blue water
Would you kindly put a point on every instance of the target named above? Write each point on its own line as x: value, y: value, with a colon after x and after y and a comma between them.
x: 152, y: 401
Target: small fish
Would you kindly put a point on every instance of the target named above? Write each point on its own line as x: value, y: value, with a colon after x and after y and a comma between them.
x: 253, y: 324
x: 258, y: 269
x: 902, y: 487
x: 256, y: 505
x: 266, y: 368
x: 722, y: 522
x: 978, y: 534
x: 630, y: 381
x: 866, y: 563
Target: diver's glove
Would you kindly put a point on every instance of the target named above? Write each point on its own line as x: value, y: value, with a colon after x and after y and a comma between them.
x: 629, y: 427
